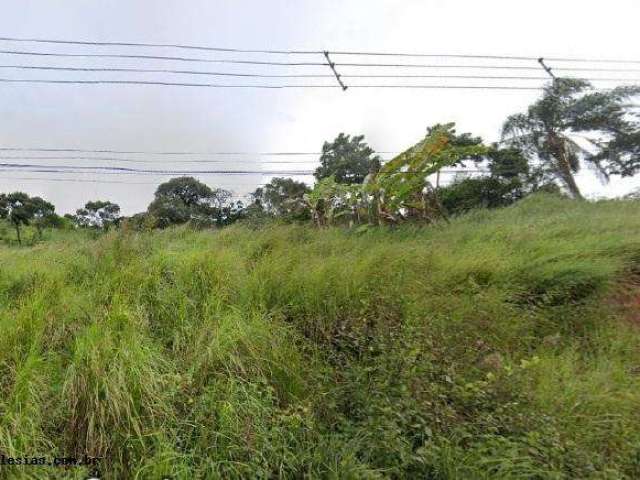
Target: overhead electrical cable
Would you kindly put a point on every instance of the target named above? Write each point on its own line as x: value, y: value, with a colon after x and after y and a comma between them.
x: 63, y: 168
x: 161, y: 45
x: 136, y: 160
x: 155, y: 70
x: 168, y: 171
x: 86, y: 180
x: 312, y: 52
x: 160, y: 57
x: 261, y: 75
x: 298, y: 64
x: 275, y: 87
x: 152, y: 152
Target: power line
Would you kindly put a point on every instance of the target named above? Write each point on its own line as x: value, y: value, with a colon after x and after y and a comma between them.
x: 79, y: 168
x: 260, y: 75
x: 136, y: 152
x: 161, y: 45
x: 298, y: 64
x: 486, y: 67
x: 159, y: 57
x: 215, y: 85
x: 452, y: 87
x: 169, y: 172
x: 160, y: 83
x: 484, y: 57
x: 484, y: 77
x: 79, y: 180
x: 312, y: 52
x: 122, y: 182
x: 135, y: 160
x: 152, y: 70
x: 273, y: 174
x: 423, y: 65
x: 595, y: 69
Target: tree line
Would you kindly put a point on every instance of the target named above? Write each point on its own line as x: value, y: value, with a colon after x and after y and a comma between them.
x: 569, y: 127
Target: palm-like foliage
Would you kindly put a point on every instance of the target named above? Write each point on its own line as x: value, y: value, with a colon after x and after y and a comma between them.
x: 402, y: 182
x: 330, y: 200
x: 568, y: 112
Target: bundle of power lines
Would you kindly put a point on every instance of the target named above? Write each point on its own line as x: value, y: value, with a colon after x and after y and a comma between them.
x: 71, y: 62
x: 101, y: 63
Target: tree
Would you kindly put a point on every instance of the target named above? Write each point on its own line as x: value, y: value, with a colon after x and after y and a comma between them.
x: 44, y: 214
x: 347, y: 159
x: 98, y: 214
x: 569, y: 110
x: 17, y: 208
x: 283, y: 198
x: 185, y: 199
x: 510, y: 179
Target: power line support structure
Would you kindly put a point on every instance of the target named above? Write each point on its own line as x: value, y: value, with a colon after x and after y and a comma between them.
x: 546, y: 68
x: 333, y: 69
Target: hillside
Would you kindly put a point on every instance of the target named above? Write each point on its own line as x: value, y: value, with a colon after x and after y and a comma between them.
x: 500, y: 345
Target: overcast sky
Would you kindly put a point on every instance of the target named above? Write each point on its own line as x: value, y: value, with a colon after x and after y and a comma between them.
x: 129, y: 117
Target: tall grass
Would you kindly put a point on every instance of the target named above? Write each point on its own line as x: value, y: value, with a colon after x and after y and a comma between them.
x: 487, y: 348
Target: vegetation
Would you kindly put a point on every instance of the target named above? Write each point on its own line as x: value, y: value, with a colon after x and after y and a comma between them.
x: 282, y: 198
x: 510, y: 179
x: 185, y: 199
x: 541, y: 152
x: 492, y: 344
x: 551, y: 130
x: 21, y: 210
x: 347, y: 159
x: 98, y: 214
x: 496, y: 346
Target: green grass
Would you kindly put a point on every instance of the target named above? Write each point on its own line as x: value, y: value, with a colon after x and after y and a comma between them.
x: 486, y: 348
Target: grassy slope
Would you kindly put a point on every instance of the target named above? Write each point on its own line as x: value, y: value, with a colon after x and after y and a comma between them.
x: 482, y: 349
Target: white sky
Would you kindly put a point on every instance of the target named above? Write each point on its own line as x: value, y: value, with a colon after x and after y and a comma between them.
x: 171, y: 118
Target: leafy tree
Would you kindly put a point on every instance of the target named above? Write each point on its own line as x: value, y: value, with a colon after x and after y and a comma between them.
x: 185, y: 199
x: 347, y: 159
x: 283, y: 198
x: 17, y: 208
x: 98, y: 214
x: 510, y: 179
x: 569, y: 109
x: 44, y: 214
x: 483, y: 192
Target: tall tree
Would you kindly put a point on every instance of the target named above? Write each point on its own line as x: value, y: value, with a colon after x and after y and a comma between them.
x: 570, y: 111
x: 347, y: 159
x: 283, y: 198
x: 185, y: 199
x: 98, y: 214
x: 17, y: 208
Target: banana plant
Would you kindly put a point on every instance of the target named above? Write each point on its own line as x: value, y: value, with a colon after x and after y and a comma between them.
x: 401, y: 187
x: 330, y: 201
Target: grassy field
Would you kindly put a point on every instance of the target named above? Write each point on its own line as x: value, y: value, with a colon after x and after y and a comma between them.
x: 498, y: 346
